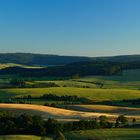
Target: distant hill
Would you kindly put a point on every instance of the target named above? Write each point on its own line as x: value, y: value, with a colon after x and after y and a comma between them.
x: 121, y: 58
x: 45, y: 59
x: 82, y: 68
x: 39, y: 59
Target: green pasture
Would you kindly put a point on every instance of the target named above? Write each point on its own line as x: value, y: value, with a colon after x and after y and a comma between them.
x: 105, y: 134
x: 130, y: 79
x: 71, y: 83
x: 101, y: 134
x: 96, y: 95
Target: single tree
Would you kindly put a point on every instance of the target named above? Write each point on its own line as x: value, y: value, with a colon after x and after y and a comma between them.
x: 133, y: 121
x: 122, y: 119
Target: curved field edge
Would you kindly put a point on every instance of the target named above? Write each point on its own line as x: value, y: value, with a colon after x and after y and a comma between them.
x: 96, y: 95
x: 105, y: 108
x: 56, y: 113
x: 105, y: 134
x: 49, y: 112
x: 129, y: 79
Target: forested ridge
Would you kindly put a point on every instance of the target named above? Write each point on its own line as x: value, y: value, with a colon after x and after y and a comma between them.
x: 83, y: 68
x: 47, y: 59
x: 39, y: 59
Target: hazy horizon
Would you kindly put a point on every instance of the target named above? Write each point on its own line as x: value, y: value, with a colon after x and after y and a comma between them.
x: 67, y: 55
x: 72, y: 28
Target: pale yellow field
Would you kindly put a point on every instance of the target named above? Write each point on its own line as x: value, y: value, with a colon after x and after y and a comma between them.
x: 116, y: 110
x: 6, y: 65
x: 56, y: 113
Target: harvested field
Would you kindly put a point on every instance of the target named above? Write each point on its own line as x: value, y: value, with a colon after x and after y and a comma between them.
x: 51, y: 112
x: 116, y: 110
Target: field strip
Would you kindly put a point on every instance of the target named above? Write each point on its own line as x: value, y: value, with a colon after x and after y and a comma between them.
x: 105, y: 109
x: 51, y: 112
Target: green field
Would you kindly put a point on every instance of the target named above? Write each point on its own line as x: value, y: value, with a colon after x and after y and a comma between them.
x: 105, y: 134
x: 101, y: 134
x: 115, y: 88
x: 71, y: 83
x: 21, y: 137
x: 130, y: 79
x: 90, y: 94
x: 105, y: 108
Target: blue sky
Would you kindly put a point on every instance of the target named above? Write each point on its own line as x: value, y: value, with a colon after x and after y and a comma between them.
x: 70, y: 27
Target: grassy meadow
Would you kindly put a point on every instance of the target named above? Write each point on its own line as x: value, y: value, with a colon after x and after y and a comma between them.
x: 105, y: 134
x: 95, y: 95
x: 129, y: 79
x: 101, y: 134
x: 87, y: 90
x: 93, y: 102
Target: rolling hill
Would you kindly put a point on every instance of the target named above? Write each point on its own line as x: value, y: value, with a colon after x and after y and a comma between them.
x: 65, y: 114
x: 50, y: 112
x: 46, y: 59
x: 93, y: 95
x: 39, y: 59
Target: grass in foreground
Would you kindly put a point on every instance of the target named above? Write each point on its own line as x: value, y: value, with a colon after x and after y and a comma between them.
x: 101, y: 134
x: 21, y: 137
x: 105, y: 134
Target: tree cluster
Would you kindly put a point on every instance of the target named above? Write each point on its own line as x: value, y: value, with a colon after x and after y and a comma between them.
x: 36, y: 125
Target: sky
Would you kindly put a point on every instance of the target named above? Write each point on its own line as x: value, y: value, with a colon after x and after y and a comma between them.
x: 70, y: 27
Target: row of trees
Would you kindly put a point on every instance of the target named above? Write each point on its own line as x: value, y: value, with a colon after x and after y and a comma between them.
x: 36, y: 125
x: 133, y: 101
x: 20, y: 83
x: 53, y: 97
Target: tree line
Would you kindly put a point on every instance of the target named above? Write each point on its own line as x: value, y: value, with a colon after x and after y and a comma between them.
x: 36, y: 125
x: 23, y: 84
x: 52, y: 97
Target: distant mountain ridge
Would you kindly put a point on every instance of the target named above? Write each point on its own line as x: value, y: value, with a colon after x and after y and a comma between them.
x: 120, y: 58
x: 39, y: 59
x: 46, y: 59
